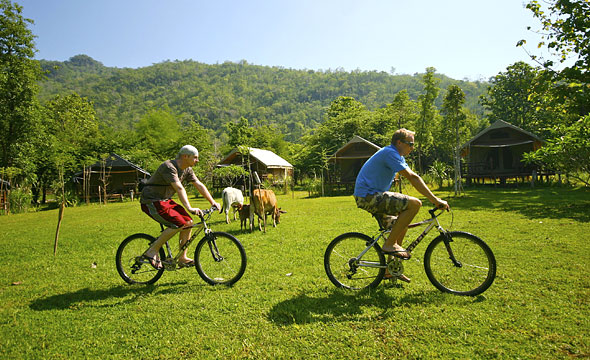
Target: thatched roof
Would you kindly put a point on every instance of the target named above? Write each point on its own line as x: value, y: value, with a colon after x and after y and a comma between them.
x: 356, y: 148
x: 480, y: 140
x: 116, y: 164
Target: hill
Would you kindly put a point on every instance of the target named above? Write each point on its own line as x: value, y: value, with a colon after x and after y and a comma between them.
x: 212, y: 95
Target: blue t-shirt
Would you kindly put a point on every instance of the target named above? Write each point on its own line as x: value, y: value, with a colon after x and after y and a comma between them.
x: 378, y: 172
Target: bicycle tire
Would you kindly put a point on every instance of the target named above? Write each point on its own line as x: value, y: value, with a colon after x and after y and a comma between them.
x: 343, y: 267
x: 474, y: 272
x: 220, y: 259
x: 132, y: 271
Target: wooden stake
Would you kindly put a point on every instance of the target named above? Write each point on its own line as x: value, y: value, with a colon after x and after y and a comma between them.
x: 60, y: 217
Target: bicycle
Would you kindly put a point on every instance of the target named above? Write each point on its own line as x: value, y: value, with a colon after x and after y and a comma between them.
x: 219, y: 257
x: 455, y: 262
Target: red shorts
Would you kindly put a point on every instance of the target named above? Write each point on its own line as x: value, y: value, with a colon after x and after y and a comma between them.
x: 167, y: 213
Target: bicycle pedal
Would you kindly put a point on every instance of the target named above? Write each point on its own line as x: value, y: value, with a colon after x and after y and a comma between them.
x: 185, y: 265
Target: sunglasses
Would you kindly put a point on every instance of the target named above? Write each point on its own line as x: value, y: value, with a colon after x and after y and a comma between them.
x: 411, y: 143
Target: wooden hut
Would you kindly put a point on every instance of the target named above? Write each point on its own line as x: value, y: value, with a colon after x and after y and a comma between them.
x: 496, y: 154
x: 119, y: 175
x: 346, y: 162
x: 268, y: 165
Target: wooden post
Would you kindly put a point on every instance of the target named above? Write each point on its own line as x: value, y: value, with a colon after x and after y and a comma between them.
x: 59, y: 219
x: 260, y: 200
x: 61, y: 208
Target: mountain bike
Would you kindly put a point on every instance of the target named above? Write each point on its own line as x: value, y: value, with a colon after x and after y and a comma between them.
x: 455, y: 262
x: 219, y: 257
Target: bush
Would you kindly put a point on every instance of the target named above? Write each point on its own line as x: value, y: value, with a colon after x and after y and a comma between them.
x: 20, y: 200
x: 439, y: 171
x: 229, y: 175
x: 313, y: 186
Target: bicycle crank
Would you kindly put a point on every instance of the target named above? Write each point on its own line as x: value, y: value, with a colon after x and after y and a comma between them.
x: 395, y: 268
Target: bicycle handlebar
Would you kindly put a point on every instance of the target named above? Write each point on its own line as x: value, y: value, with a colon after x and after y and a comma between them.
x: 208, y: 212
x: 433, y: 211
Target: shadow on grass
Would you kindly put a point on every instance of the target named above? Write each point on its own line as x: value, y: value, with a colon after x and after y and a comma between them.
x: 545, y: 202
x: 342, y: 305
x: 88, y: 297
x: 239, y: 233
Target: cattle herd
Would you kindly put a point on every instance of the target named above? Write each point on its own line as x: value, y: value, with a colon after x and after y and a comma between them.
x: 263, y: 202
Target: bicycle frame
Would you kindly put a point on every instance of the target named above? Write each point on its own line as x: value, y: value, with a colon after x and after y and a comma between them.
x: 431, y: 223
x: 170, y: 262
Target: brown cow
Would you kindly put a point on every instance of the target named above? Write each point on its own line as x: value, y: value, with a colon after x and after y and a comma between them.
x: 244, y: 216
x: 266, y: 201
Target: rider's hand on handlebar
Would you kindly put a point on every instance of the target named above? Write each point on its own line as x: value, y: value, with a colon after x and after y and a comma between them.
x: 196, y: 211
x: 216, y: 206
x: 442, y: 205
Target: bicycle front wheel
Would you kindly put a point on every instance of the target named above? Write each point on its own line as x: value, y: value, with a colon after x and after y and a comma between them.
x: 460, y: 263
x: 220, y: 258
x: 346, y: 267
x: 129, y: 265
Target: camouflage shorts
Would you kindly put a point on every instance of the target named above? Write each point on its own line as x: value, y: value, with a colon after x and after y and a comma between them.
x: 383, y: 206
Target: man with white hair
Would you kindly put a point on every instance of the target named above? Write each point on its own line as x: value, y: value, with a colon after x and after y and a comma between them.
x: 157, y: 203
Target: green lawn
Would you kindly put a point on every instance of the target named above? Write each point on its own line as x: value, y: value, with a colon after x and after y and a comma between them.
x: 284, y: 306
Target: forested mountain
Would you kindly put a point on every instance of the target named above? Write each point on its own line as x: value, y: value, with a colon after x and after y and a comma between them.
x: 213, y: 95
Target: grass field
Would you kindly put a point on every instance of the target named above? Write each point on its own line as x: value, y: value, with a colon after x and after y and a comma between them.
x: 75, y: 305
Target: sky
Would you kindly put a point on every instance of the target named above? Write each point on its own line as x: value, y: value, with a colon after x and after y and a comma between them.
x: 463, y: 39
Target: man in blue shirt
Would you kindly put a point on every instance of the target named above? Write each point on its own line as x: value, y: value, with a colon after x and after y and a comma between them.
x: 371, y: 192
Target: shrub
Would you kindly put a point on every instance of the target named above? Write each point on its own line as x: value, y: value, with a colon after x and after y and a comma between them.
x: 439, y: 171
x: 20, y: 200
x: 229, y: 175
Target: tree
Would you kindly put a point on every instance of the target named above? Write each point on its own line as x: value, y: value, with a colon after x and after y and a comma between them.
x: 565, y: 34
x: 19, y: 74
x: 346, y: 117
x: 196, y: 135
x: 240, y: 133
x: 453, y: 117
x: 426, y: 120
x: 71, y: 129
x: 401, y: 113
x: 69, y: 123
x: 229, y: 175
x: 159, y: 133
x: 565, y: 27
x: 511, y: 97
x: 569, y: 153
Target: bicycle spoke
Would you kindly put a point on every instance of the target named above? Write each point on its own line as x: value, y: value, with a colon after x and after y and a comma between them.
x: 473, y: 270
x: 343, y: 268
x: 130, y: 269
x: 220, y: 259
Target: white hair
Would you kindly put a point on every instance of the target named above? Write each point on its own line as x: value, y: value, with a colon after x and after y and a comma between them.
x: 188, y: 150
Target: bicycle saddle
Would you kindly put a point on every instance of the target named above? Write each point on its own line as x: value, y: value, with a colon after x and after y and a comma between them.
x: 385, y: 221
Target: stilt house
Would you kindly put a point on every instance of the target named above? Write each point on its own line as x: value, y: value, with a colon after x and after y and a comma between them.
x: 119, y: 175
x: 496, y: 154
x: 346, y: 162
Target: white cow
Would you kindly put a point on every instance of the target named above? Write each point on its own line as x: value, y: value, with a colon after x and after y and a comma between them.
x: 231, y: 198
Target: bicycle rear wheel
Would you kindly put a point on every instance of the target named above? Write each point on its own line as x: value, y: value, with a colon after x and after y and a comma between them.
x: 344, y: 267
x: 129, y: 266
x: 220, y: 258
x: 462, y: 265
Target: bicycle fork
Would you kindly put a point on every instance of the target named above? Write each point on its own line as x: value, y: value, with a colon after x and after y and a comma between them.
x: 448, y: 240
x: 213, y: 248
